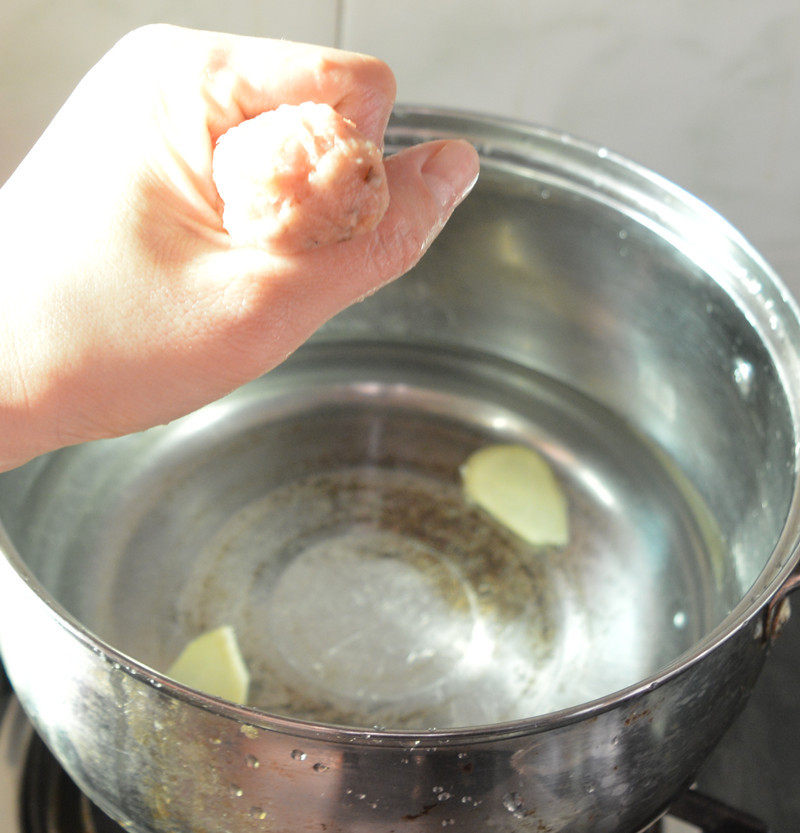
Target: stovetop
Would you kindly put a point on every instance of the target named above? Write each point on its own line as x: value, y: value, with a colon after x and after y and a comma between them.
x: 749, y: 785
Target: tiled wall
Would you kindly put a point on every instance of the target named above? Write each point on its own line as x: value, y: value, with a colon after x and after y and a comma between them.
x: 706, y: 93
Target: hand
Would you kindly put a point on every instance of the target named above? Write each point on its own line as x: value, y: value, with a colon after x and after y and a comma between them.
x: 123, y: 302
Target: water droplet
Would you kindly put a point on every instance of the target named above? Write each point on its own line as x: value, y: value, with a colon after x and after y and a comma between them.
x: 361, y: 796
x: 374, y: 805
x: 465, y: 799
x: 437, y: 790
x: 545, y: 194
x: 462, y: 756
x: 448, y: 822
x: 513, y: 803
x: 299, y: 755
x: 320, y: 767
x: 444, y: 796
x: 258, y: 813
x: 236, y: 791
x: 404, y: 760
x: 591, y: 789
x: 753, y: 285
x: 743, y: 375
x: 252, y: 762
x: 679, y: 619
x: 623, y: 234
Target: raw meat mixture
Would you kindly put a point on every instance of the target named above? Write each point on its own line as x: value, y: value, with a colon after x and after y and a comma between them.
x: 297, y: 177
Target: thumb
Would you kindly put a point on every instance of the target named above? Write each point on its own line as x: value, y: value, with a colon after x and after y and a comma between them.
x: 426, y: 183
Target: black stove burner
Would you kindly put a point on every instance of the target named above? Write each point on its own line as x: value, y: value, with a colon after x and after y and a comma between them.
x: 51, y: 803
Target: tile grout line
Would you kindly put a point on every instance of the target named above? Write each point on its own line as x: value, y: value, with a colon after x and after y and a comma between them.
x: 337, y: 34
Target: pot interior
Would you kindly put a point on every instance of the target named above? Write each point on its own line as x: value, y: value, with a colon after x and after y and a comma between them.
x: 320, y: 510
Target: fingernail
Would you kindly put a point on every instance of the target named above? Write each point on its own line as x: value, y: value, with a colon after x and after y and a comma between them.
x: 451, y: 172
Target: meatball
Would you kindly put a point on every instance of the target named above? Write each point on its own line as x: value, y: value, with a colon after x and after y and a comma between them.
x: 297, y: 177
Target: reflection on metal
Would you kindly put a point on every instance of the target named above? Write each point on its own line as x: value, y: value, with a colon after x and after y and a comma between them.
x: 37, y: 796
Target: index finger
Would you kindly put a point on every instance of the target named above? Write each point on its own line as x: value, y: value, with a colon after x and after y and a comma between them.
x: 246, y: 76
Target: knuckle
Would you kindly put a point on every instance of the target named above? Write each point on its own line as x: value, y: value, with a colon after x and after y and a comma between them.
x: 322, y: 67
x: 384, y: 80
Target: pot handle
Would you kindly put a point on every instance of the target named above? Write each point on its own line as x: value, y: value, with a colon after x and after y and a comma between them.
x: 779, y: 608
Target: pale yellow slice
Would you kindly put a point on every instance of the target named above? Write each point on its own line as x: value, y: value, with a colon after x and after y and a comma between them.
x: 213, y: 663
x: 517, y: 487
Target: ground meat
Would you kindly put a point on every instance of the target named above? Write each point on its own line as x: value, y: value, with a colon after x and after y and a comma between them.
x: 298, y: 177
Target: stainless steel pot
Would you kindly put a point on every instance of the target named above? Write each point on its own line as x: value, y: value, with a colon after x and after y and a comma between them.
x: 416, y: 667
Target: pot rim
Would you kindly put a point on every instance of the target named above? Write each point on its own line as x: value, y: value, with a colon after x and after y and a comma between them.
x: 651, y: 199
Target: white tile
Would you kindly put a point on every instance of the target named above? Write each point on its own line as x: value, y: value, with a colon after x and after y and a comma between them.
x: 48, y: 47
x: 708, y: 94
x: 471, y: 54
